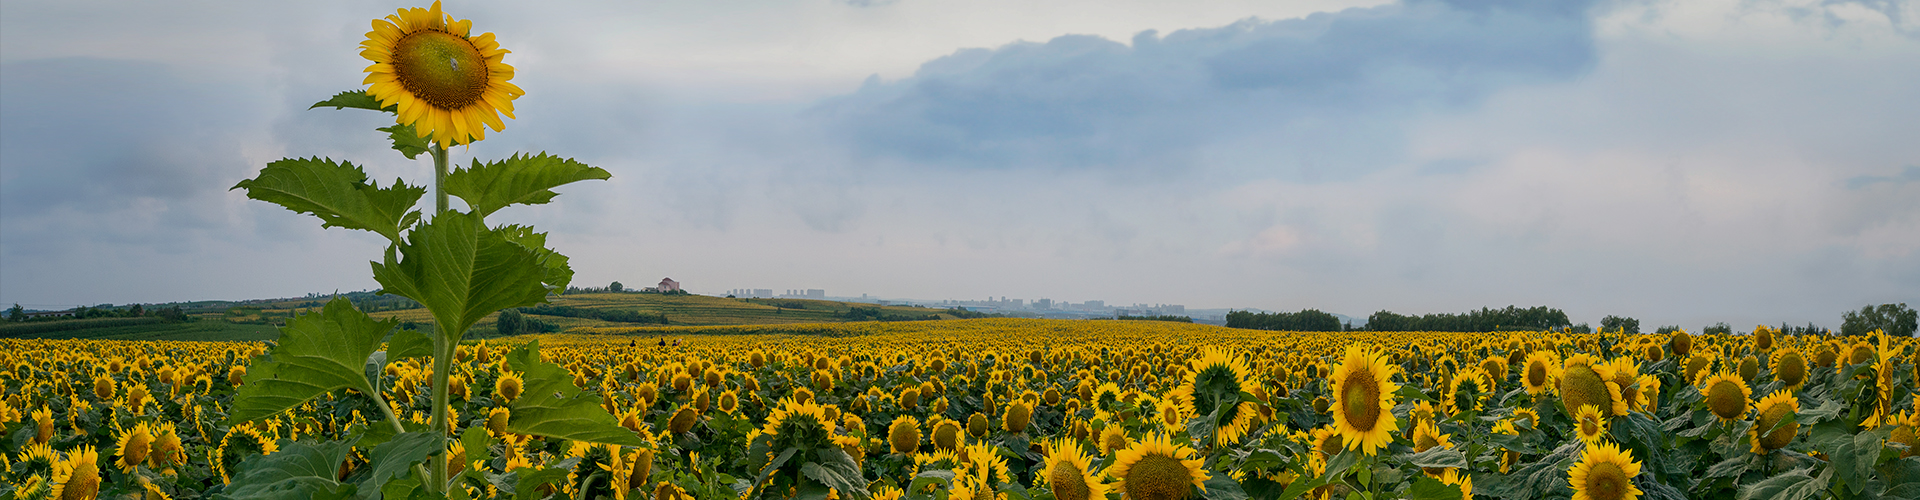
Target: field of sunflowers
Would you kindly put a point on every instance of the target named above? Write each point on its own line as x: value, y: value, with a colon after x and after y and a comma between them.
x: 1017, y: 409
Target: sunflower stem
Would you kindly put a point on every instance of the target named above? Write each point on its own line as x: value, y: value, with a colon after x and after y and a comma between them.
x: 442, y: 350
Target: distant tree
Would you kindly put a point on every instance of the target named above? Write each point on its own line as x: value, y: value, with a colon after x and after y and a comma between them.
x: 1619, y: 324
x: 136, y: 311
x: 1581, y: 328
x: 1721, y: 328
x: 615, y: 287
x: 510, y: 322
x: 1667, y: 329
x: 1894, y: 319
x: 17, y: 313
x: 172, y: 314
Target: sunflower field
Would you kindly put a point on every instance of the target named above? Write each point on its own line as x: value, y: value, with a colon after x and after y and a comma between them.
x: 998, y: 409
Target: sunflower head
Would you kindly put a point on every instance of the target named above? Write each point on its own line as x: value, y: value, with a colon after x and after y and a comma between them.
x: 683, y: 420
x: 1680, y: 343
x: 1113, y: 439
x: 1749, y: 368
x: 1581, y: 384
x: 1154, y: 468
x: 1762, y: 339
x: 904, y: 434
x: 977, y: 425
x: 507, y: 388
x: 1789, y: 367
x: 1069, y: 473
x: 1605, y: 472
x: 1768, y: 415
x: 947, y: 435
x: 1363, y: 393
x: 1727, y: 395
x: 444, y: 82
x: 1696, y: 364
x: 136, y: 445
x: 1017, y: 417
x: 77, y: 477
x: 1590, y: 423
x: 1539, y: 371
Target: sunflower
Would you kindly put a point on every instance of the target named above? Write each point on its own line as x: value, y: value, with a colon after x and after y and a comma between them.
x: 948, y: 435
x: 1696, y: 365
x: 1649, y: 391
x: 77, y: 477
x: 904, y: 434
x: 42, y: 425
x: 497, y: 421
x: 241, y: 441
x: 1507, y: 458
x: 1590, y: 423
x: 1456, y: 477
x: 1768, y: 415
x: 1113, y: 439
x: 1363, y: 393
x: 1726, y: 395
x: 1018, y: 415
x: 1605, y: 472
x: 1789, y: 367
x: 798, y: 425
x: 135, y: 446
x: 1539, y: 372
x: 683, y: 420
x: 1156, y: 469
x: 443, y: 81
x: 977, y: 425
x: 1326, y: 440
x: 507, y: 388
x: 1068, y: 472
x: 1427, y: 436
x: 1468, y: 390
x: 1585, y: 381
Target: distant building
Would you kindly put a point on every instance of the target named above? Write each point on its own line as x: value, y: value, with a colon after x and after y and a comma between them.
x: 815, y: 293
x: 668, y: 285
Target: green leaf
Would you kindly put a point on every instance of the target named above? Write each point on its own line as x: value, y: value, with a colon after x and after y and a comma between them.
x: 394, y: 458
x: 297, y: 471
x: 475, y: 440
x: 462, y: 271
x: 529, y: 480
x: 1439, y: 457
x: 1427, y: 488
x: 337, y: 193
x: 1776, y: 487
x: 1731, y: 467
x: 1223, y: 487
x: 519, y: 179
x: 358, y: 99
x: 558, y: 272
x: 409, y: 344
x: 406, y: 140
x: 318, y: 352
x: 838, y: 471
x: 552, y: 406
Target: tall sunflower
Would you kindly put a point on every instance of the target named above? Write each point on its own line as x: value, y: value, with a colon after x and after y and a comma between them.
x: 1539, y: 371
x: 1156, y: 469
x: 1363, y: 395
x: 77, y: 477
x: 135, y: 445
x: 1605, y: 472
x: 445, y: 82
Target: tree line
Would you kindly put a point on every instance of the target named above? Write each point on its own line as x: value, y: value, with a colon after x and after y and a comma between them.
x: 1894, y: 319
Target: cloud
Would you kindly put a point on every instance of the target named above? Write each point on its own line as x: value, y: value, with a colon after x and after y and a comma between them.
x: 1909, y: 174
x: 1326, y: 91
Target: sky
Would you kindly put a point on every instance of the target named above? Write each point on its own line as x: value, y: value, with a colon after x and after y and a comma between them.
x: 1679, y: 162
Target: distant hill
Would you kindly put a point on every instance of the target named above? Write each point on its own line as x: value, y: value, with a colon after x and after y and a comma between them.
x: 256, y: 319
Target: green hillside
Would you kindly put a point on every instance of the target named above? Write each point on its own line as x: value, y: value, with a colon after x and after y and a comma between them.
x: 255, y: 319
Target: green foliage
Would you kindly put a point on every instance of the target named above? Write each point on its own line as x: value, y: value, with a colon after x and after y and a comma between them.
x: 1307, y: 320
x: 551, y: 406
x: 463, y: 271
x: 298, y: 471
x: 1896, y: 319
x: 518, y: 179
x: 1616, y: 324
x: 337, y: 193
x: 317, y: 353
x: 1484, y: 320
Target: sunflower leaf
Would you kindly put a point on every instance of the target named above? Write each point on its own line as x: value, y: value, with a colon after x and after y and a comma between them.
x: 1439, y: 457
x: 301, y: 470
x: 519, y: 179
x: 462, y: 272
x: 551, y: 406
x: 1427, y: 488
x: 393, y: 458
x: 406, y: 140
x: 337, y: 193
x: 357, y: 99
x: 558, y: 272
x: 409, y: 344
x: 318, y: 352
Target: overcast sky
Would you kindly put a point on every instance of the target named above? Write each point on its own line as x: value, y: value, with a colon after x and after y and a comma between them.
x: 1681, y: 162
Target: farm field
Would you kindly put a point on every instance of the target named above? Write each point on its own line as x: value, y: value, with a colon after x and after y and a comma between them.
x: 1017, y: 409
x: 256, y: 320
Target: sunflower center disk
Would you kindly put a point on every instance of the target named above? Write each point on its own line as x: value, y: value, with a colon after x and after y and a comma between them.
x: 1157, y: 477
x: 440, y: 68
x: 1725, y: 400
x: 1606, y: 482
x: 1361, y: 400
x: 1068, y: 483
